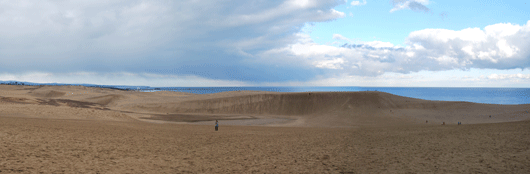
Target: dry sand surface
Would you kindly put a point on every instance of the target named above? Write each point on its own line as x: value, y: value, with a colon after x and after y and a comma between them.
x: 72, y: 129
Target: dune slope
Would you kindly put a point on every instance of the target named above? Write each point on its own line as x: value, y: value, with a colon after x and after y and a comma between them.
x: 346, y: 108
x: 314, y: 109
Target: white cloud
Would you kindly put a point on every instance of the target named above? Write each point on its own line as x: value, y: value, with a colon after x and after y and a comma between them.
x: 499, y: 46
x: 415, y: 5
x: 358, y: 3
x: 342, y: 38
x: 508, y: 76
x: 379, y: 44
x: 429, y: 50
x: 330, y: 64
x: 449, y: 78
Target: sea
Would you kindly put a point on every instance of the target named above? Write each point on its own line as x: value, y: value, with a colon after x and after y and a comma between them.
x: 507, y: 96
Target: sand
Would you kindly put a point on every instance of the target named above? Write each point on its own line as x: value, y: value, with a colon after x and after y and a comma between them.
x: 72, y: 129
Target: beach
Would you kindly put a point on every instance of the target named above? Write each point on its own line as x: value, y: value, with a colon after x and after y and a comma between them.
x: 75, y: 129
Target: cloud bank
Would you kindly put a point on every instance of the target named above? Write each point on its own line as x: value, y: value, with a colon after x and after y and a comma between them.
x: 208, y: 39
x: 120, y: 78
x: 211, y: 43
x: 498, y: 46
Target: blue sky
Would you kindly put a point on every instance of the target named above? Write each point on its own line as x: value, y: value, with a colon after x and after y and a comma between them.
x: 374, y: 21
x: 419, y: 43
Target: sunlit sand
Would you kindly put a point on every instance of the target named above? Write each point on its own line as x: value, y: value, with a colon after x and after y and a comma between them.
x: 76, y: 129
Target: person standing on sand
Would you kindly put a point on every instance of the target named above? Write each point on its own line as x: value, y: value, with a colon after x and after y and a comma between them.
x: 216, y: 125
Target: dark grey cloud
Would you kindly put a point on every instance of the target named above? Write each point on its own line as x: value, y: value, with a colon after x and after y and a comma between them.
x: 210, y: 39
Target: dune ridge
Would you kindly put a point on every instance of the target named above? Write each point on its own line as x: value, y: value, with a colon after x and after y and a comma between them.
x: 342, y: 108
x: 314, y: 109
x: 105, y: 100
x: 48, y: 93
x: 295, y: 103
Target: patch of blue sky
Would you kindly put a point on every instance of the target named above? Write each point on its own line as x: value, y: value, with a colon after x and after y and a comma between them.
x: 374, y: 21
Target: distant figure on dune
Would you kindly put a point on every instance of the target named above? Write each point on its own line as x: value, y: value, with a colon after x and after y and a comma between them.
x: 426, y: 121
x: 216, y: 125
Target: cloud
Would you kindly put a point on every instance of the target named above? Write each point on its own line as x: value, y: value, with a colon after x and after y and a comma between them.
x: 213, y: 40
x: 499, y: 46
x: 447, y: 78
x: 358, y: 3
x: 415, y: 5
x: 119, y: 78
x: 508, y: 76
x: 341, y: 38
x: 330, y: 64
x: 193, y: 43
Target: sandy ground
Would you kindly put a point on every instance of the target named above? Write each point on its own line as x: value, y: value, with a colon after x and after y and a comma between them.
x: 72, y: 129
x: 77, y: 146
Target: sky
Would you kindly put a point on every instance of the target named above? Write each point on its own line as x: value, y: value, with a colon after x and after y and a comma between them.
x: 164, y: 43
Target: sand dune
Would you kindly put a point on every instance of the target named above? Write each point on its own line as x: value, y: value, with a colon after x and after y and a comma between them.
x: 105, y: 100
x: 313, y: 109
x: 47, y: 93
x: 73, y: 129
x: 344, y: 108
